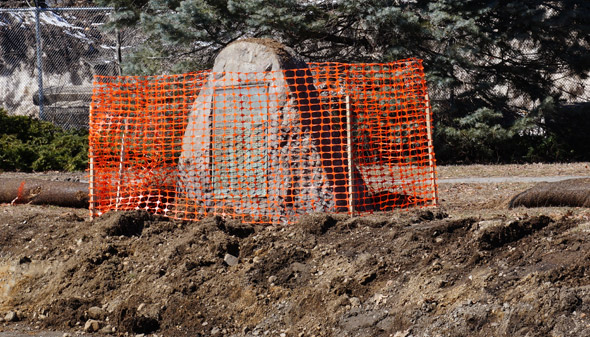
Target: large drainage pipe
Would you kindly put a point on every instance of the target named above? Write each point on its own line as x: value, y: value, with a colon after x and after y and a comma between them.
x: 44, y: 192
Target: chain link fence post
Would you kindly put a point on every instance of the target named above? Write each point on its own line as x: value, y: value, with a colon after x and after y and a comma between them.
x: 49, y: 57
x: 39, y: 60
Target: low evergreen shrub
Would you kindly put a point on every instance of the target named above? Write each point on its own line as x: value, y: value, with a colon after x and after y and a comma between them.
x: 28, y: 144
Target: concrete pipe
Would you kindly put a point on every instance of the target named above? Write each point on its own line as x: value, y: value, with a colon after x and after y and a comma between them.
x: 44, y: 192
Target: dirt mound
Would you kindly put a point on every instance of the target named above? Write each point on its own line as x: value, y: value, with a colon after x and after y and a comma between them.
x: 571, y: 192
x: 128, y: 223
x: 501, y: 235
x: 410, y: 273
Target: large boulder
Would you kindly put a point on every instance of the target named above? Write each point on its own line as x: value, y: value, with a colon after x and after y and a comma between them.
x: 257, y: 142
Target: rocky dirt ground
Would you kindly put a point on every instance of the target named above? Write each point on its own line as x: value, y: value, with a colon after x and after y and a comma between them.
x: 472, y: 267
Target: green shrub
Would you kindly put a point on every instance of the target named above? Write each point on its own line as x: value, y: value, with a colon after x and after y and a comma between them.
x: 28, y: 144
x: 484, y: 137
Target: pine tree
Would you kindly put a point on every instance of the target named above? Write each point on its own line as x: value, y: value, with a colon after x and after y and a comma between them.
x: 503, y: 57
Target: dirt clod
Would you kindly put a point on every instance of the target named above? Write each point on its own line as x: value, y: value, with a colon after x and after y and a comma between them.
x: 96, y: 313
x: 127, y: 223
x: 66, y: 312
x: 500, y: 235
x: 91, y: 325
x: 317, y: 223
x: 11, y: 316
x: 131, y: 321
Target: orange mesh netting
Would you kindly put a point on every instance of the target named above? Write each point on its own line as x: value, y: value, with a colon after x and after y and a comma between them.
x: 266, y: 146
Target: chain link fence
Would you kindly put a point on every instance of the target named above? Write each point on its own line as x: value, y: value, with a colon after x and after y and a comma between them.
x: 49, y: 56
x: 57, y: 51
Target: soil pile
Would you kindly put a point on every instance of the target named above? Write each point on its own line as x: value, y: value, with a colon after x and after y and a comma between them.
x: 416, y: 273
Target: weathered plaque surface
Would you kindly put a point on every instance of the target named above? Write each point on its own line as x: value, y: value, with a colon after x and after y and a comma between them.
x: 239, y: 161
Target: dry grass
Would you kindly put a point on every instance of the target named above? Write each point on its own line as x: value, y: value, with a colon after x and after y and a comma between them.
x: 472, y: 199
x: 513, y: 170
x: 491, y: 199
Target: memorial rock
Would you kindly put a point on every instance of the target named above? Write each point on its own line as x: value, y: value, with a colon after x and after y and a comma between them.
x: 257, y: 142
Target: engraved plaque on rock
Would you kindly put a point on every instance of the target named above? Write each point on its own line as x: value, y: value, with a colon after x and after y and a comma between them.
x: 239, y: 149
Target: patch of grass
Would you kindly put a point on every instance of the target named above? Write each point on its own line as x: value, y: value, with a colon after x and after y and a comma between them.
x: 28, y: 144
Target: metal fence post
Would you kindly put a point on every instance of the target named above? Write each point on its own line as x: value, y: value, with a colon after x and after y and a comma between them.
x: 118, y: 56
x: 39, y: 60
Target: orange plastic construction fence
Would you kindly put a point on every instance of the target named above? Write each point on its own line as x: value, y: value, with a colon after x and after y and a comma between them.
x: 265, y: 147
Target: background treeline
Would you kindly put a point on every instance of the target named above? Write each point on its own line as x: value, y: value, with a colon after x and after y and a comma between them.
x: 508, y: 79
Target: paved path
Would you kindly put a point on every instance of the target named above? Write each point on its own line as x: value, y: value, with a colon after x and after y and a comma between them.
x: 495, y: 180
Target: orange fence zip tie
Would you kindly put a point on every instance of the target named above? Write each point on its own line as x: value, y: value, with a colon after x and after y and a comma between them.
x: 264, y: 147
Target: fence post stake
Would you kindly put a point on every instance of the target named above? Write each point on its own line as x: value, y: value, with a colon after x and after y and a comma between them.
x: 121, y: 164
x: 349, y: 152
x: 39, y: 61
x: 91, y: 191
x: 431, y: 151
